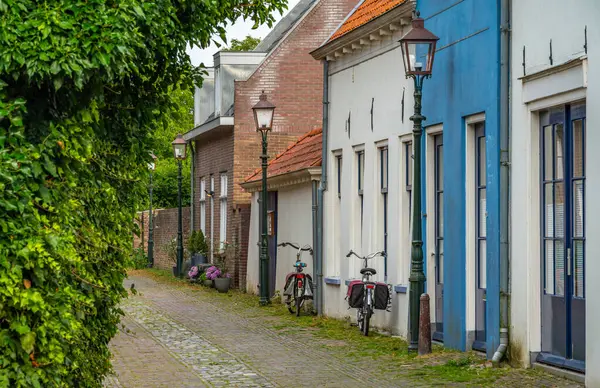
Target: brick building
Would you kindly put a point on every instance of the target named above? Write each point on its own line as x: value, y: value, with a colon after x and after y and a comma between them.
x: 226, y: 147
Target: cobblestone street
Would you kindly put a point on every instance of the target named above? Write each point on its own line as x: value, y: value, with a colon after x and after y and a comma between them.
x: 181, y: 336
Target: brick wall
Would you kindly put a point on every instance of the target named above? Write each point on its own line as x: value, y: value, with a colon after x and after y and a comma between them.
x: 165, y: 229
x: 214, y: 155
x: 293, y: 81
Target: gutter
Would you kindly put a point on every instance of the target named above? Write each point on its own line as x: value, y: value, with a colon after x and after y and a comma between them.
x: 505, y: 36
x: 321, y: 190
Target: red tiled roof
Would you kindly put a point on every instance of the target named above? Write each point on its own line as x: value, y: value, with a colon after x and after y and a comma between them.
x: 304, y: 153
x: 367, y: 11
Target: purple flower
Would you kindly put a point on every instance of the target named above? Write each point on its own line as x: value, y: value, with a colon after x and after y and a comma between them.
x: 193, y: 272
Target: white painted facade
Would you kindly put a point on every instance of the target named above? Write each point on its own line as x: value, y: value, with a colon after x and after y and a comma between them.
x: 370, y: 78
x: 294, y: 224
x: 574, y: 76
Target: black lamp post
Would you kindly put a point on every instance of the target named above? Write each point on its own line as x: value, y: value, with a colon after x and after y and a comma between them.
x: 263, y: 117
x: 418, y: 41
x: 179, y: 148
x: 151, y: 167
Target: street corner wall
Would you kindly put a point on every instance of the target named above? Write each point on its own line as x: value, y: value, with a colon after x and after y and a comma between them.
x: 252, y: 261
x: 165, y: 229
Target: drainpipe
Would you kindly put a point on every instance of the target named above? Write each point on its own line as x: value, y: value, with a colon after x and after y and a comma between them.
x: 315, y: 237
x: 322, y: 189
x: 192, y: 207
x: 504, y: 178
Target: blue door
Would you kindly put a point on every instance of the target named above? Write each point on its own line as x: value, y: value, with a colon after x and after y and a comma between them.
x: 563, y: 235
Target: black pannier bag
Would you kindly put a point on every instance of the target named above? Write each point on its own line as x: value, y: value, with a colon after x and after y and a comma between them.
x: 382, y: 296
x: 289, y: 285
x: 355, y: 294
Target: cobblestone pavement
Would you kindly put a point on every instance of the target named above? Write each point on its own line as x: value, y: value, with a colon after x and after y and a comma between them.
x: 180, y: 338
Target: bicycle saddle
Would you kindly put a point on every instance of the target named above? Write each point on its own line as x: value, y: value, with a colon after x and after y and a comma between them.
x: 370, y: 270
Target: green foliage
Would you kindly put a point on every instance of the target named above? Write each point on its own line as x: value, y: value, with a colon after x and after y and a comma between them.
x: 139, y: 260
x: 196, y: 243
x: 85, y: 92
x: 248, y: 44
x: 179, y: 120
x: 170, y: 249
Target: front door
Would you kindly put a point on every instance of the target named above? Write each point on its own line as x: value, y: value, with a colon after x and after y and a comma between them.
x: 480, y: 241
x: 439, y: 237
x: 563, y: 235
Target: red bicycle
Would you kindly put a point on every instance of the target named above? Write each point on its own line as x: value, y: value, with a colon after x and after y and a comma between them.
x: 298, y: 285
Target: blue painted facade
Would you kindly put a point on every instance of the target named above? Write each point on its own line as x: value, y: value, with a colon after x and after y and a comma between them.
x: 465, y: 81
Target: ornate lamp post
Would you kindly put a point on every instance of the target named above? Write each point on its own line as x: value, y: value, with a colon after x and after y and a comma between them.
x: 179, y: 149
x: 263, y: 117
x: 417, y: 42
x: 151, y: 167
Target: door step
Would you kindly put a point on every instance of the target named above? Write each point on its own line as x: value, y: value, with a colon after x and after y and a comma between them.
x: 567, y: 374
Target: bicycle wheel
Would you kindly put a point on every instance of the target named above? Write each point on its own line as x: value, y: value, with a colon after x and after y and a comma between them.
x: 291, y: 304
x: 366, y: 316
x: 298, y: 305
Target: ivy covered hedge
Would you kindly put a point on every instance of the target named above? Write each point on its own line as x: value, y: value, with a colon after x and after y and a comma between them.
x: 84, y: 87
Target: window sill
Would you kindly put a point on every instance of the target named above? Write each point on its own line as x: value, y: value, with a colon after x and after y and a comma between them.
x: 333, y: 280
x: 401, y: 289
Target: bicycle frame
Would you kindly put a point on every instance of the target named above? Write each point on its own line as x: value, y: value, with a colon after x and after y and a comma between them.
x: 299, y: 292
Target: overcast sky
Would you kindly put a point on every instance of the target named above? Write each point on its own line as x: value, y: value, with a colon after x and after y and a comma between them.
x: 237, y: 31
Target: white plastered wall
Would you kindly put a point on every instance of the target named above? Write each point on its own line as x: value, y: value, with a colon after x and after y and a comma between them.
x: 252, y: 268
x: 528, y: 97
x: 375, y: 72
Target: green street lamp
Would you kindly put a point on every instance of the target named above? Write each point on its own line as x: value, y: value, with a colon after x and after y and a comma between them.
x: 418, y: 41
x: 179, y: 148
x: 151, y: 168
x: 263, y: 118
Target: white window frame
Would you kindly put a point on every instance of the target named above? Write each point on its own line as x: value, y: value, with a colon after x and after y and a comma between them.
x: 223, y: 209
x: 203, y: 205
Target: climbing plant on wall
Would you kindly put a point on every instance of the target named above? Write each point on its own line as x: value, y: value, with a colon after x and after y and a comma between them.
x: 84, y: 85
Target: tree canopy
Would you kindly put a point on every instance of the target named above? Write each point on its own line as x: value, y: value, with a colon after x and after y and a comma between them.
x: 85, y: 88
x: 247, y: 44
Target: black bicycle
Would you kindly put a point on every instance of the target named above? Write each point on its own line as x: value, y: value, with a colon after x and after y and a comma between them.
x: 298, y: 285
x: 366, y: 295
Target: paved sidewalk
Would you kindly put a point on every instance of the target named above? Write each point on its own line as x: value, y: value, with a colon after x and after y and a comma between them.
x: 184, y: 337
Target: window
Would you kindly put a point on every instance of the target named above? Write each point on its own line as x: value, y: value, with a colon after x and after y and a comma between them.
x: 360, y: 157
x: 383, y: 168
x: 223, y: 207
x: 338, y: 161
x: 203, y: 205
x: 408, y: 166
x: 480, y: 205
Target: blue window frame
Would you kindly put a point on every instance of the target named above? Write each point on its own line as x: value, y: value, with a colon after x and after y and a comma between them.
x: 439, y: 208
x: 383, y: 167
x: 408, y: 171
x: 480, y: 207
x: 360, y: 158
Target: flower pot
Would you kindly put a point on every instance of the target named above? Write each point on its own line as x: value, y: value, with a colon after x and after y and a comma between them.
x: 198, y: 259
x: 222, y: 284
x: 208, y: 283
x: 175, y: 270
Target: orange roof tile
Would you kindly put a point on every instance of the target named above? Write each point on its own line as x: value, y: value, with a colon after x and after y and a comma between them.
x: 304, y: 153
x: 367, y: 11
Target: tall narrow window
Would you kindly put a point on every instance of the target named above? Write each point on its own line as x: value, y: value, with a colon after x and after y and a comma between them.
x: 383, y: 168
x: 203, y: 205
x: 223, y: 207
x: 480, y: 207
x: 408, y: 165
x: 338, y: 161
x: 360, y: 158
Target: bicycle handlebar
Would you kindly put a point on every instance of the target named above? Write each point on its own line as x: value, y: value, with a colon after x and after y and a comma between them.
x: 370, y: 256
x: 296, y: 246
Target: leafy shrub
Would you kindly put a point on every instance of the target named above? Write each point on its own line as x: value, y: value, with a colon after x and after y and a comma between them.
x: 196, y: 243
x: 170, y: 249
x: 139, y: 259
x: 79, y: 112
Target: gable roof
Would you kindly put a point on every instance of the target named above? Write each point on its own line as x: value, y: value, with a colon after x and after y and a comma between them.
x: 304, y: 153
x: 288, y: 22
x: 364, y: 13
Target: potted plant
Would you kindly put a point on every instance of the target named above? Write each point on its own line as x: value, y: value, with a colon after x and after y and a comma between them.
x: 197, y: 247
x: 194, y: 273
x: 205, y: 281
x: 220, y: 278
x: 170, y: 249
